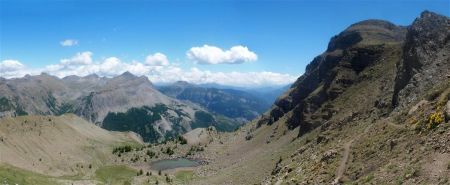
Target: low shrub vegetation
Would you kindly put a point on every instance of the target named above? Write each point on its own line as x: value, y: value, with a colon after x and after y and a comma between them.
x: 434, y: 119
x: 122, y: 149
x: 182, y: 140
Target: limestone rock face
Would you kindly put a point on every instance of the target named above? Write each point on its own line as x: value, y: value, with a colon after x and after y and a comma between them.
x: 420, y: 53
x: 330, y: 74
x: 425, y: 60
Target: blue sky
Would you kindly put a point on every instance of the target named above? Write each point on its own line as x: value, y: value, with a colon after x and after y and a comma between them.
x: 285, y: 35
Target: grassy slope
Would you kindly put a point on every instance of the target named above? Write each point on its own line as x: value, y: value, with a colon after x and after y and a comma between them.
x: 381, y: 150
x: 115, y: 174
x: 13, y: 175
x: 62, y: 147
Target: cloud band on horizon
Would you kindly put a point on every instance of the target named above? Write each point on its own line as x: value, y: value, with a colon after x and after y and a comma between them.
x: 156, y: 67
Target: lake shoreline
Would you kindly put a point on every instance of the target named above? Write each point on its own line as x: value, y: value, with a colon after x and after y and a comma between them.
x: 176, y: 163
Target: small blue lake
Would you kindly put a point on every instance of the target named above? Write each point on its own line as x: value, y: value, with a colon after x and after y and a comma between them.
x: 167, y: 164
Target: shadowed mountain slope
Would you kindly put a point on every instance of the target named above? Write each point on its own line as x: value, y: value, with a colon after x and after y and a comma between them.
x: 345, y: 63
x: 228, y: 102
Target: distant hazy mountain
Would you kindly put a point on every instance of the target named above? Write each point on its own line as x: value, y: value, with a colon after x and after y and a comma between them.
x: 122, y: 103
x: 228, y: 102
x: 269, y: 94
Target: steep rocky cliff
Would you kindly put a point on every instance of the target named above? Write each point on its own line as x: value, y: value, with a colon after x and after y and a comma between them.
x: 426, y: 61
x: 346, y: 62
x: 372, y: 109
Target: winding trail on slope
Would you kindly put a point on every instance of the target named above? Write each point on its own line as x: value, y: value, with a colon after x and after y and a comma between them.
x: 341, y: 169
x: 343, y: 165
x: 347, y: 146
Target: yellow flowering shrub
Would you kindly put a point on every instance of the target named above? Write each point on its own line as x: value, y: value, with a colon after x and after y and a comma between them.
x: 435, y: 119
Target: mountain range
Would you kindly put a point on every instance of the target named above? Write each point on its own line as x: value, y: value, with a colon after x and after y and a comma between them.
x: 373, y: 108
x: 123, y: 103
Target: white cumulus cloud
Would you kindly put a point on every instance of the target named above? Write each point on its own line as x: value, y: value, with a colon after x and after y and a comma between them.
x: 13, y: 69
x: 157, y: 59
x: 82, y: 58
x: 213, y: 55
x: 10, y: 65
x: 68, y: 42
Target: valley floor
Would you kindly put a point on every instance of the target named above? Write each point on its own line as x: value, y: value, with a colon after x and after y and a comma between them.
x: 361, y: 150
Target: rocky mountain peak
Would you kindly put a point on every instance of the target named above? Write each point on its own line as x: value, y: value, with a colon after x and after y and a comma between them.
x: 430, y: 26
x: 45, y: 78
x: 367, y: 32
x: 372, y: 24
x: 45, y: 75
x: 430, y: 15
x: 181, y: 83
x: 92, y: 76
x: 425, y: 58
x: 360, y: 54
x: 127, y: 78
x: 71, y: 77
x: 126, y: 75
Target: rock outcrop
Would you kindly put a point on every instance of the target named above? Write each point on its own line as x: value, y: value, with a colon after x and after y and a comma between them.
x: 330, y: 74
x: 426, y: 60
x: 379, y: 96
x: 421, y: 56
